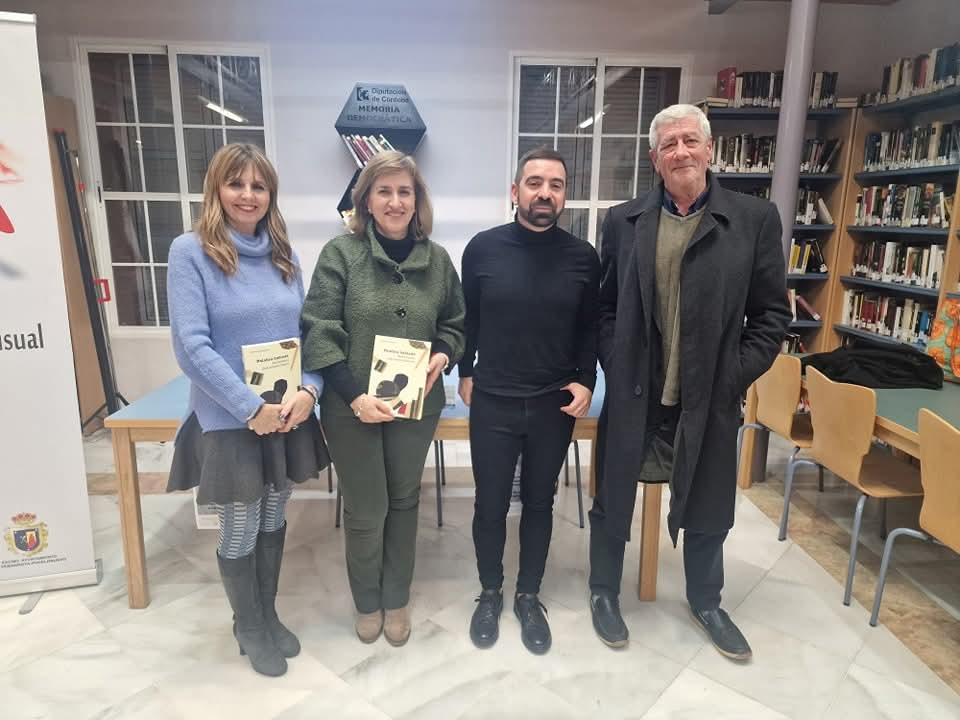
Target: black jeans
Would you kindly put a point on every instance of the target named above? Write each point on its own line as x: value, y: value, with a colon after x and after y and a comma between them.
x: 702, y: 552
x: 501, y: 428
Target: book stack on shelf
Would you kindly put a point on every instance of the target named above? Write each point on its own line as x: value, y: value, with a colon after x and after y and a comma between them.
x: 764, y: 89
x: 919, y: 75
x: 743, y: 153
x: 376, y: 118
x: 811, y: 208
x: 806, y: 256
x: 899, y: 240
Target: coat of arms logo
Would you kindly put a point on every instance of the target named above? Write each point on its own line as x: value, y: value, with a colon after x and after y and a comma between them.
x: 27, y: 536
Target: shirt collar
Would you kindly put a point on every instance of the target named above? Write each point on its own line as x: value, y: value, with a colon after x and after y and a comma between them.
x: 670, y: 206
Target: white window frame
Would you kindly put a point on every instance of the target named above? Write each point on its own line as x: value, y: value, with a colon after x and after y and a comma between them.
x: 682, y: 62
x: 90, y: 150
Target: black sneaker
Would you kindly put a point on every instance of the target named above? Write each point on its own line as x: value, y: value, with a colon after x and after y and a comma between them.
x: 534, y: 630
x: 607, y: 620
x: 485, y: 623
x: 724, y: 634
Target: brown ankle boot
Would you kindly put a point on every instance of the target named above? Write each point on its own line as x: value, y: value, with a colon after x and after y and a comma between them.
x: 369, y: 625
x: 396, y: 626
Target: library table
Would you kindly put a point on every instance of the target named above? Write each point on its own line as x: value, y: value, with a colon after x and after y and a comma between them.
x: 156, y: 416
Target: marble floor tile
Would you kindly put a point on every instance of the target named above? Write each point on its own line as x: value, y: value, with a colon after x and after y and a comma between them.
x: 517, y: 698
x: 866, y: 695
x: 693, y: 696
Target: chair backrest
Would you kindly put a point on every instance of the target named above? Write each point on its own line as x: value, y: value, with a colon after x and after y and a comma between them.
x: 778, y: 393
x: 939, y: 456
x: 843, y: 416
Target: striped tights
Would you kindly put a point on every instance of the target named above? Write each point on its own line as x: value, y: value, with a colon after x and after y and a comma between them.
x: 240, y: 523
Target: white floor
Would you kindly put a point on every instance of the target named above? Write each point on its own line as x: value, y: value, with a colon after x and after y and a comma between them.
x: 83, y: 654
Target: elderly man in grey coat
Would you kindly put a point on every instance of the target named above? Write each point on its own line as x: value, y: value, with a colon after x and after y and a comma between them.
x: 693, y: 308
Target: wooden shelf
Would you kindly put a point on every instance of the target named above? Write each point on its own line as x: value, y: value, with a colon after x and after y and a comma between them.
x: 796, y: 277
x: 930, y: 101
x: 814, y: 228
x: 888, y: 230
x: 763, y: 113
x: 953, y: 295
x: 804, y: 177
x: 806, y: 324
x: 874, y: 337
x: 897, y: 288
x: 884, y: 177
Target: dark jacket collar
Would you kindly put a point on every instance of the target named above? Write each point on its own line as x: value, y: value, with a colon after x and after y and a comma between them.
x: 718, y: 201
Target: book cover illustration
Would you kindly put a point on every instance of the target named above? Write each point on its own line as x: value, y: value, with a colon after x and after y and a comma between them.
x: 398, y: 374
x: 272, y: 369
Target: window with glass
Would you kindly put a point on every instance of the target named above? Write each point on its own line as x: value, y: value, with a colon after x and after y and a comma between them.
x: 601, y: 128
x: 159, y: 116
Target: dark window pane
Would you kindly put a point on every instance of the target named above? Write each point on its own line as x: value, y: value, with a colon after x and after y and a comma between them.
x: 577, y: 153
x: 160, y: 274
x: 159, y: 159
x: 199, y: 86
x: 661, y: 87
x: 526, y: 144
x: 119, y: 159
x: 241, y: 90
x: 621, y: 98
x: 112, y: 90
x: 166, y: 223
x: 195, y: 209
x: 538, y: 98
x: 601, y: 214
x: 154, y: 99
x: 575, y: 221
x: 200, y: 146
x: 577, y: 89
x: 646, y: 175
x: 133, y: 291
x: 617, y: 161
x: 254, y: 137
x: 127, y: 231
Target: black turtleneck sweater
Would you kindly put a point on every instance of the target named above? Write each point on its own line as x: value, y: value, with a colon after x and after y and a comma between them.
x: 531, y: 310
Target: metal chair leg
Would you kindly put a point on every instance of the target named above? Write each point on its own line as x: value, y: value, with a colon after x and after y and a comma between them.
x: 576, y: 459
x: 330, y: 477
x: 740, y: 430
x: 885, y: 565
x: 339, y: 505
x: 854, y: 542
x: 437, y: 471
x: 566, y: 467
x: 792, y: 463
x: 443, y: 465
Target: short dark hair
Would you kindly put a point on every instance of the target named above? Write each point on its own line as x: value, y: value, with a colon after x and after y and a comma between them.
x: 538, y: 153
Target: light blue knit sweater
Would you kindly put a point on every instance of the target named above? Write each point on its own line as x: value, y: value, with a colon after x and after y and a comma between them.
x: 212, y: 315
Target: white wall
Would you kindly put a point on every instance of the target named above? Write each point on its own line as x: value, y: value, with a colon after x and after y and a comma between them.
x: 453, y: 57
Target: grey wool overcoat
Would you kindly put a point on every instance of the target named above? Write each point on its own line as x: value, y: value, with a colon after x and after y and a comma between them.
x: 734, y: 314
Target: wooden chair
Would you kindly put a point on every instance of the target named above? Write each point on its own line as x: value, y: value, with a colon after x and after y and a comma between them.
x: 843, y: 417
x: 778, y: 394
x: 940, y: 512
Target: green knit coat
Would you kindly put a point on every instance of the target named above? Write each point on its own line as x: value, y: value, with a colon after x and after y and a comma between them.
x: 358, y: 292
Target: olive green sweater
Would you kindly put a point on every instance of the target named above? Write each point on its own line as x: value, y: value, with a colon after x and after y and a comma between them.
x: 358, y: 292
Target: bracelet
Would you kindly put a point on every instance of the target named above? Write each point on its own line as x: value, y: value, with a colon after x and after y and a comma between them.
x: 359, y: 406
x: 313, y: 393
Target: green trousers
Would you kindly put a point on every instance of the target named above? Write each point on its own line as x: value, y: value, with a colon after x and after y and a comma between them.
x: 380, y: 467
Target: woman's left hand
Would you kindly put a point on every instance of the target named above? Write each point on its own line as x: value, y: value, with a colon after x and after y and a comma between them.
x: 438, y: 361
x: 296, y: 410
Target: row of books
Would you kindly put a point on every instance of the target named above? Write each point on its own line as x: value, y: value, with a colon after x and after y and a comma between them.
x: 926, y: 205
x: 931, y: 72
x: 806, y: 256
x: 811, y: 209
x: 818, y: 154
x: 743, y: 153
x: 898, y: 262
x: 792, y: 344
x: 765, y: 89
x: 937, y: 143
x: 801, y: 309
x: 363, y: 147
x: 903, y: 319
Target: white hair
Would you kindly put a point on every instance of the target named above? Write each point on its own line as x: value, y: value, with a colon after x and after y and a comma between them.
x: 673, y: 113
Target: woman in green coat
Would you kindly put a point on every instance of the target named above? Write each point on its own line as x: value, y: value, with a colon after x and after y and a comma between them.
x: 385, y: 277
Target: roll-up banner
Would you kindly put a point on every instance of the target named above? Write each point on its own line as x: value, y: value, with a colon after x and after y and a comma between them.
x: 46, y: 541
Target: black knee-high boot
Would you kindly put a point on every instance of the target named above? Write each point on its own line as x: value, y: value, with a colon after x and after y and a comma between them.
x: 243, y: 591
x: 269, y: 558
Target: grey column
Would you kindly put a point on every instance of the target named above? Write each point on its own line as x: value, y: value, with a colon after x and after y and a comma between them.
x: 793, y: 112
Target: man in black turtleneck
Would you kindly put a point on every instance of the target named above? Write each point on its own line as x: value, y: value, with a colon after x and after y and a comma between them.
x: 531, y: 291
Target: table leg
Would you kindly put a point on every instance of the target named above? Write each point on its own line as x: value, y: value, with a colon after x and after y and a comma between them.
x: 649, y: 541
x: 131, y: 521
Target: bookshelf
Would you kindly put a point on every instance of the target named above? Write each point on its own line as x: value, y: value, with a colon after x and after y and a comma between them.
x: 918, y: 111
x: 375, y: 118
x: 826, y: 123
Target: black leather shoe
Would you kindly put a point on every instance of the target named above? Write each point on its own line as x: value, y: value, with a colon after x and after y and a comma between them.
x: 607, y: 620
x: 534, y: 630
x: 485, y: 623
x: 724, y: 635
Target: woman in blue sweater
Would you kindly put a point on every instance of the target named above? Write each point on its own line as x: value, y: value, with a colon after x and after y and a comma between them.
x: 235, y: 281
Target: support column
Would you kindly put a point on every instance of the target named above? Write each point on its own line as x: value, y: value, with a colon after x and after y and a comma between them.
x: 793, y: 112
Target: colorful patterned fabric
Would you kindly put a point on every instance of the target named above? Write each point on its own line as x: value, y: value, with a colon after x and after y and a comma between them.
x: 944, y: 343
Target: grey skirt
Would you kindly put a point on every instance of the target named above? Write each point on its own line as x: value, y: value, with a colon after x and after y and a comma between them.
x: 231, y: 466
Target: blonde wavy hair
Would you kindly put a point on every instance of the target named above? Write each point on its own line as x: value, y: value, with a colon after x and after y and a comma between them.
x: 229, y: 163
x: 386, y: 163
